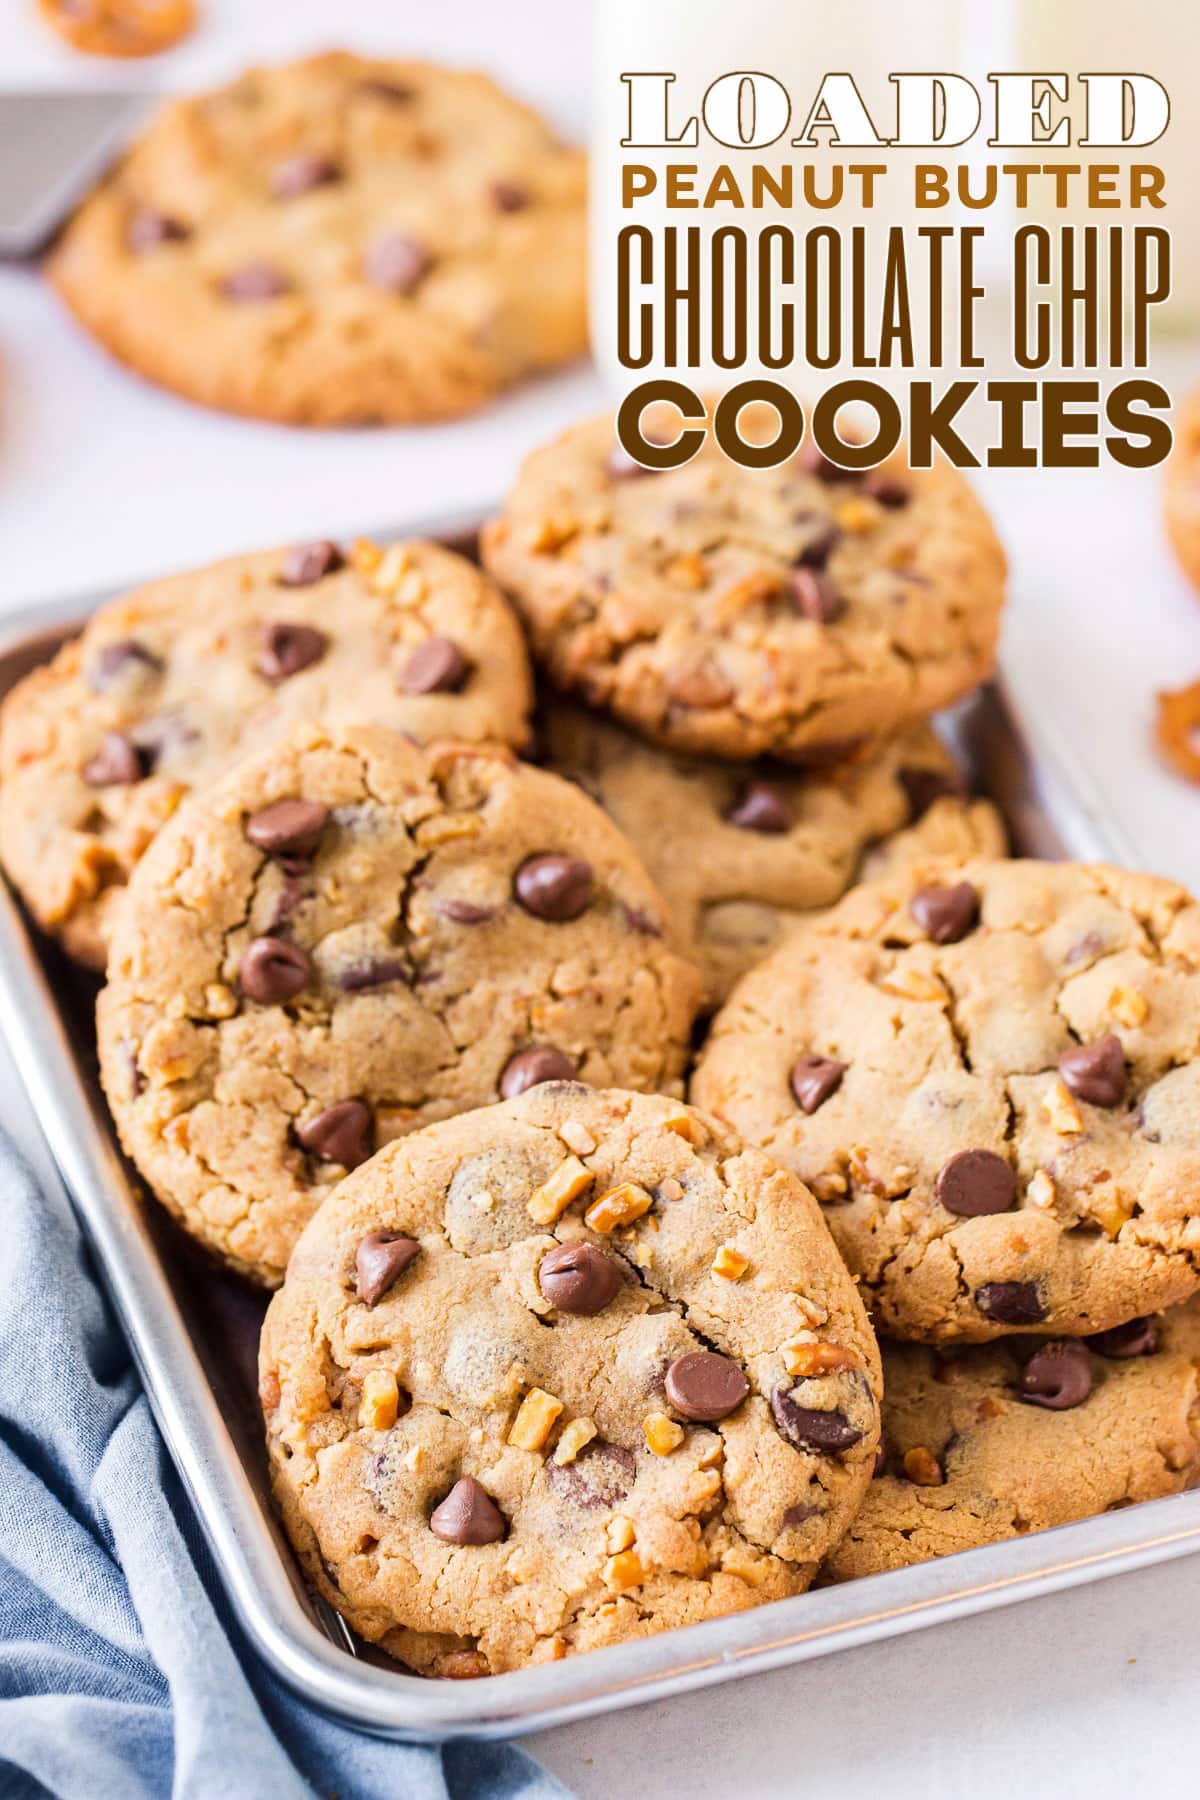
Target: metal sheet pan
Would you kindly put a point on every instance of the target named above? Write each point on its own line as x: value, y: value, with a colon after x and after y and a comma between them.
x: 193, y: 1331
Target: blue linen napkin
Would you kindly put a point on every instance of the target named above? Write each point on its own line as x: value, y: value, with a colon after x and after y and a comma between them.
x: 121, y: 1672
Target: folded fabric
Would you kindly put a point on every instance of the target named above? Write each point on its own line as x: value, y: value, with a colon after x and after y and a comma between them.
x: 122, y: 1673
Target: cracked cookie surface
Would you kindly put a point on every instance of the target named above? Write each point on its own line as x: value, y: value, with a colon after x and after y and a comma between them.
x: 994, y: 1441
x: 741, y: 613
x: 556, y: 1467
x: 348, y: 937
x: 337, y: 241
x: 741, y: 854
x: 990, y: 1075
x: 172, y: 682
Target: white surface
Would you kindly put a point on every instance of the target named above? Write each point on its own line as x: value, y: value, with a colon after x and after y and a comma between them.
x: 102, y: 480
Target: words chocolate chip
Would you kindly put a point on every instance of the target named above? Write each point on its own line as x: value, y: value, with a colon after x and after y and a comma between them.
x: 1011, y: 1302
x: 305, y: 564
x: 946, y: 913
x: 1139, y: 1337
x: 115, y: 660
x: 529, y: 1068
x: 815, y: 596
x: 468, y: 1515
x: 286, y: 649
x: 703, y: 1385
x: 553, y: 887
x: 1057, y: 1376
x: 1096, y: 1072
x: 975, y: 1182
x: 343, y: 1133
x: 255, y: 281
x: 760, y: 807
x: 578, y: 1278
x: 380, y: 1260
x: 116, y: 763
x: 810, y: 1429
x: 289, y: 830
x: 274, y: 969
x: 300, y: 174
x: 396, y: 263
x: 437, y: 666
x: 814, y: 1079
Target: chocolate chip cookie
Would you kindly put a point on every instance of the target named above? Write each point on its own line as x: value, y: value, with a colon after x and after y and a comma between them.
x: 348, y: 937
x: 993, y: 1441
x: 560, y: 1373
x: 732, y: 612
x: 167, y: 685
x: 990, y: 1075
x: 338, y: 241
x: 1183, y: 489
x: 741, y: 854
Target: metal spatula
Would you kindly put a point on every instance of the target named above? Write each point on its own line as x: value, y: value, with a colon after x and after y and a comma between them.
x: 52, y: 147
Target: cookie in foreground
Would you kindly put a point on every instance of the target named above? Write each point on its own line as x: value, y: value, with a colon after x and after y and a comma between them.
x: 560, y: 1373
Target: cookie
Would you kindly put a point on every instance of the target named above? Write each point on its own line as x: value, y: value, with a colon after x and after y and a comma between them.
x: 169, y: 684
x: 990, y: 1074
x: 560, y: 1373
x: 337, y: 241
x: 1183, y: 489
x: 740, y: 613
x: 997, y: 1440
x: 348, y: 937
x: 741, y: 855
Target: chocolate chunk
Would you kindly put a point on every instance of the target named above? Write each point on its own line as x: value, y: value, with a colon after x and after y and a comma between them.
x: 380, y: 1260
x: 396, y: 93
x: 115, y: 764
x: 815, y: 462
x: 509, y: 196
x: 115, y: 660
x: 760, y: 807
x: 886, y: 490
x: 255, y: 281
x: 638, y: 919
x: 396, y: 263
x: 529, y: 1068
x: 923, y: 786
x: 437, y: 666
x: 375, y: 972
x: 813, y: 1079
x: 1139, y: 1337
x: 798, y: 1515
x: 703, y: 1385
x: 946, y: 914
x: 600, y: 1476
x: 463, y: 912
x: 468, y: 1515
x: 975, y: 1182
x: 305, y: 564
x: 343, y: 1133
x: 293, y: 891
x: 300, y: 174
x: 1058, y: 1376
x: 286, y: 649
x: 815, y: 596
x: 290, y: 831
x: 1096, y: 1072
x: 273, y: 969
x: 578, y: 1278
x: 820, y: 547
x: 809, y: 1429
x: 554, y: 887
x: 149, y: 229
x: 1011, y: 1302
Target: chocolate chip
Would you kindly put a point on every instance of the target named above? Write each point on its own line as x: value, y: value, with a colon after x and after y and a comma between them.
x: 578, y: 1278
x: 115, y: 660
x: 1011, y: 1302
x: 305, y: 564
x: 286, y: 649
x: 946, y: 914
x: 255, y: 281
x: 809, y: 1429
x: 379, y: 1261
x: 163, y: 737
x: 509, y: 196
x: 815, y: 596
x: 886, y: 490
x: 396, y: 93
x: 115, y: 764
x: 703, y: 1385
x: 468, y: 1515
x: 600, y: 1476
x: 1096, y: 1072
x: 760, y: 807
x: 529, y: 1068
x: 396, y: 263
x: 881, y: 1461
x: 437, y: 666
x: 975, y: 1182
x: 815, y: 462
x: 923, y: 786
x: 149, y: 230
x: 813, y: 1079
x: 819, y: 548
x: 273, y: 969
x: 289, y: 830
x: 1139, y: 1337
x: 554, y: 887
x: 798, y: 1515
x: 300, y: 174
x: 293, y: 891
x: 343, y: 1133
x: 463, y: 912
x: 375, y: 972
x: 1058, y: 1376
